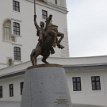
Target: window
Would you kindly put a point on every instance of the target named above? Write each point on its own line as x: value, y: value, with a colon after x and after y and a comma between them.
x: 7, y: 31
x: 17, y: 53
x: 55, y: 1
x: 44, y: 14
x: 95, y: 80
x: 16, y: 28
x: 76, y: 83
x: 21, y: 87
x: 1, y: 91
x: 11, y: 93
x: 16, y: 5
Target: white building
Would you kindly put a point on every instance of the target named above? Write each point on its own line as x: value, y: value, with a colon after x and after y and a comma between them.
x: 17, y: 30
x: 86, y: 76
x: 86, y: 80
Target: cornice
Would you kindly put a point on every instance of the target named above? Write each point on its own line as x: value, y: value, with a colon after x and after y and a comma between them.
x: 87, y: 67
x: 51, y: 6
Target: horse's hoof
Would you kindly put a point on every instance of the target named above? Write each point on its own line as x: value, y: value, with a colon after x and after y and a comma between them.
x: 60, y: 46
x: 45, y: 62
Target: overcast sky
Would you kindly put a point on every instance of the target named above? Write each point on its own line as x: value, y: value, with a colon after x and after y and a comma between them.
x: 87, y: 26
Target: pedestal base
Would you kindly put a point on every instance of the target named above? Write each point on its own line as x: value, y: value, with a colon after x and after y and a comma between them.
x: 46, y: 87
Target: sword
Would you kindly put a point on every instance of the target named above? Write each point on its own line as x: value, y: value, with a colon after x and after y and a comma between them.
x: 35, y: 7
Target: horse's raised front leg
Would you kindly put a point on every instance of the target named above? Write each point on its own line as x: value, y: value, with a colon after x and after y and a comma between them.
x: 61, y: 35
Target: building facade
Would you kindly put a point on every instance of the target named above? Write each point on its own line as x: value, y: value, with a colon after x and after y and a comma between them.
x: 17, y: 30
x: 86, y: 79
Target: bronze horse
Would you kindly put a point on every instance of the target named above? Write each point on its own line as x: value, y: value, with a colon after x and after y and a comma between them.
x: 44, y: 48
x: 47, y: 40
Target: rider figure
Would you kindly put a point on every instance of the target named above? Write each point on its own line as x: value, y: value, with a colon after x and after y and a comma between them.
x: 40, y: 30
x: 41, y: 34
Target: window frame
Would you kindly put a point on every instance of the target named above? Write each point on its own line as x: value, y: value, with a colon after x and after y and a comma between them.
x: 16, y: 28
x: 96, y: 83
x: 1, y: 91
x: 17, y: 53
x: 76, y: 83
x: 44, y: 14
x: 11, y: 90
x: 56, y: 2
x: 7, y: 31
x: 21, y: 87
x: 16, y: 5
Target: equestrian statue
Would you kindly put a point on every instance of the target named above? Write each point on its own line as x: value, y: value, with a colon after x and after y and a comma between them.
x: 48, y: 39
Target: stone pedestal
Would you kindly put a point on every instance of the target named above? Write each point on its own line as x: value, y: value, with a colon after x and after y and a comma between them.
x: 46, y: 86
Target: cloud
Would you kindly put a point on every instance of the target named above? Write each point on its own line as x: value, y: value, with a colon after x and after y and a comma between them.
x: 87, y: 26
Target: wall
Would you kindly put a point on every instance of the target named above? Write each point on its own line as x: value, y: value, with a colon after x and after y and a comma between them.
x: 16, y: 84
x: 87, y: 95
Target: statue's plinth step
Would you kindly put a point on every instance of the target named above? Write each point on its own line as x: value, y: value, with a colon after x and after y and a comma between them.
x: 45, y: 65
